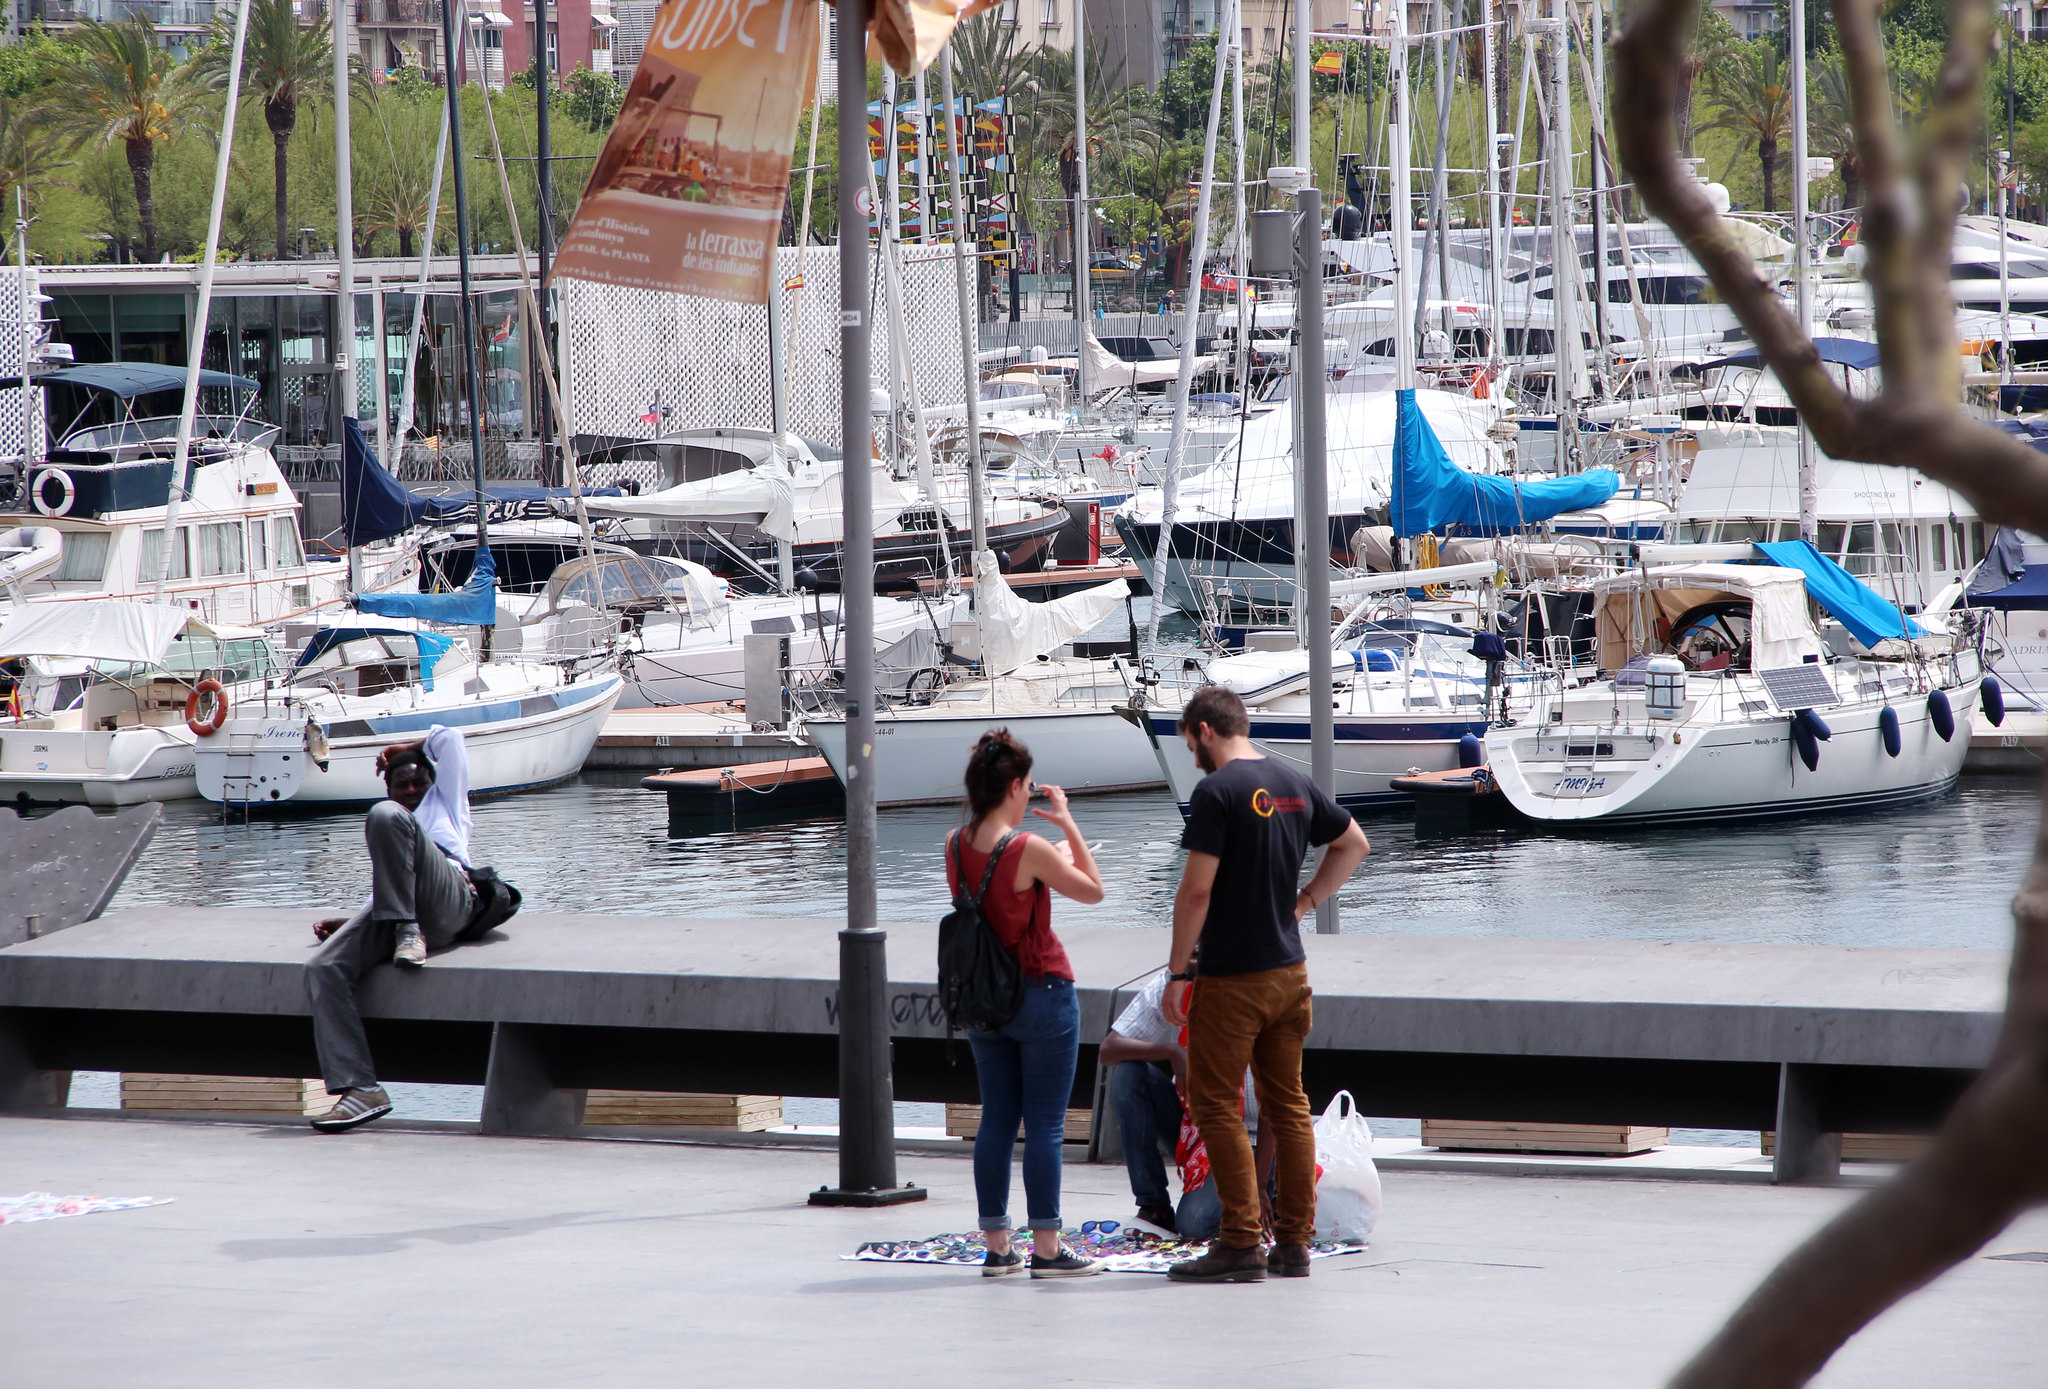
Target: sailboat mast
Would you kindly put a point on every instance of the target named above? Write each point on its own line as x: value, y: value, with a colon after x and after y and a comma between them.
x: 345, y: 224
x: 963, y: 289
x: 1191, y: 318
x: 1400, y: 203
x: 1082, y: 240
x: 1809, y: 484
x: 1564, y: 240
x: 1496, y: 250
x: 468, y: 311
x: 1596, y: 23
x: 195, y: 351
x: 419, y: 294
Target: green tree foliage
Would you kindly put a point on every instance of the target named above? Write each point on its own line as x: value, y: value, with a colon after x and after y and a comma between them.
x: 1750, y: 93
x: 117, y: 84
x: 284, y: 67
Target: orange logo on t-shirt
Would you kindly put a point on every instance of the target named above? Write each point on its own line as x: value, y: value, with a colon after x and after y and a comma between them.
x: 1262, y: 802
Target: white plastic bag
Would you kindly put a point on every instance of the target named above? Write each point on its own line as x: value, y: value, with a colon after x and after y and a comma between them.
x: 1348, y: 1190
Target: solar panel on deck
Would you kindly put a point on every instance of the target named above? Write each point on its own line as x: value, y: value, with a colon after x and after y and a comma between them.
x: 1799, y: 687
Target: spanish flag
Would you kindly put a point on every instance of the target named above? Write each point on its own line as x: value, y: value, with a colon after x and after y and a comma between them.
x: 1330, y: 64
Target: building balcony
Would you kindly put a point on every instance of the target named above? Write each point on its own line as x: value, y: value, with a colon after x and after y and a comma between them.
x: 404, y: 14
x: 165, y: 14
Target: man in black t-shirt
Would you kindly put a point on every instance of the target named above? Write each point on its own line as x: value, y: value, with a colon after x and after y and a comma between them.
x: 1251, y: 823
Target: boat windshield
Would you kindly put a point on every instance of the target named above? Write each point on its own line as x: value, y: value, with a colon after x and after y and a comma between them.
x: 1713, y: 636
x: 231, y: 660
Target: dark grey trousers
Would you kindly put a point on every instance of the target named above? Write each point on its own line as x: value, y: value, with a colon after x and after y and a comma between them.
x: 411, y: 879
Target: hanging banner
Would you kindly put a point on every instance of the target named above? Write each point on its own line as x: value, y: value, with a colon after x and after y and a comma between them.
x: 688, y: 193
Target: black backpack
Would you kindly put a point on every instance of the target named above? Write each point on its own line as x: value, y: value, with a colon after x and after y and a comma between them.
x: 981, y: 985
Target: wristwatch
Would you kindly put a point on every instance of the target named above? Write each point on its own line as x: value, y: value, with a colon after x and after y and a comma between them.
x: 1180, y: 978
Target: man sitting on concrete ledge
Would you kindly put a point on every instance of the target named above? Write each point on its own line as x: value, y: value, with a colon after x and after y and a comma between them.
x: 420, y: 899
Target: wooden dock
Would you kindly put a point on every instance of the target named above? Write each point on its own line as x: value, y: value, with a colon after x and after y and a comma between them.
x: 683, y: 737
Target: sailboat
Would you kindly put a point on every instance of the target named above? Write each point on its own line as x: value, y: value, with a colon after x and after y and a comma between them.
x: 1064, y: 708
x: 1725, y: 701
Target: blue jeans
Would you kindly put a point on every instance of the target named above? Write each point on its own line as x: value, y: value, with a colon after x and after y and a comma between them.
x: 1148, y: 1116
x: 1026, y: 1069
x: 1148, y: 1119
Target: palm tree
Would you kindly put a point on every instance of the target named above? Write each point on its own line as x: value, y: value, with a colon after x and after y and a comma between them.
x: 285, y: 67
x: 986, y: 59
x: 1752, y: 96
x: 393, y: 193
x: 116, y: 82
x: 1833, y: 128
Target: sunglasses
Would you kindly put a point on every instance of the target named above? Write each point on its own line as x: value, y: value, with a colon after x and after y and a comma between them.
x: 1095, y: 1230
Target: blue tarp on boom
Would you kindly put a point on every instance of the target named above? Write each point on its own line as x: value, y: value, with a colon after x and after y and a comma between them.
x: 1867, y: 615
x: 475, y: 604
x: 373, y: 504
x: 1431, y: 491
x: 376, y: 506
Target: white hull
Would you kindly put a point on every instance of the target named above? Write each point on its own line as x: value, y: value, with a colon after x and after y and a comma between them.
x: 69, y: 767
x: 538, y: 740
x: 1370, y: 752
x: 709, y: 665
x: 921, y: 758
x: 1635, y: 770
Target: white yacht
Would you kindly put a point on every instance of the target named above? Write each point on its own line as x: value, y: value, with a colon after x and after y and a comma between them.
x: 1724, y: 701
x: 236, y: 557
x: 142, y: 685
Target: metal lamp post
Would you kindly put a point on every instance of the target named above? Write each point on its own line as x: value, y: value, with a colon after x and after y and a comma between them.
x: 867, y: 1109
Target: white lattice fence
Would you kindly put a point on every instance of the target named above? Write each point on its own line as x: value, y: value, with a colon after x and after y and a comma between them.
x: 16, y: 329
x: 709, y: 359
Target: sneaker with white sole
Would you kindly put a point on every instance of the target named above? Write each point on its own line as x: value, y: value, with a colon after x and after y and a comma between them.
x: 412, y: 946
x: 1065, y: 1264
x: 354, y: 1108
x: 1001, y: 1265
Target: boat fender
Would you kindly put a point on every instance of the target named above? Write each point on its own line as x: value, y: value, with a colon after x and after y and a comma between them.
x: 1817, y: 724
x: 66, y: 493
x: 206, y: 727
x: 1471, y: 752
x: 1888, y: 730
x: 1991, y: 695
x: 1804, y: 742
x: 1940, y: 714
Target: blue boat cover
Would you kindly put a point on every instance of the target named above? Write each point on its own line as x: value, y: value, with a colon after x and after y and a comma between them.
x: 475, y: 604
x: 432, y: 646
x: 1852, y: 603
x: 376, y: 506
x: 1841, y: 352
x: 373, y: 504
x: 1432, y: 491
x: 130, y: 379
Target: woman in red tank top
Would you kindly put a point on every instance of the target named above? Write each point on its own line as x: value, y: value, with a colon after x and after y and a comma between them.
x: 1026, y: 1067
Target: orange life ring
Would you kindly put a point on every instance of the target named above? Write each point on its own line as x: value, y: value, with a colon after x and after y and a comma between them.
x: 205, y: 728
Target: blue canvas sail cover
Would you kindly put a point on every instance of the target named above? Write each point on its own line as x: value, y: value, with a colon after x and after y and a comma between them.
x: 376, y: 506
x: 1431, y: 491
x: 1868, y: 615
x: 373, y: 504
x: 475, y: 604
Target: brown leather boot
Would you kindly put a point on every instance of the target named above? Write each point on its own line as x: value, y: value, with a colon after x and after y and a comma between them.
x: 1222, y: 1264
x: 1288, y: 1261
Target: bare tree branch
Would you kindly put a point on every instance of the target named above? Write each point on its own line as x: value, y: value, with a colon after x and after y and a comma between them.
x: 1984, y: 1167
